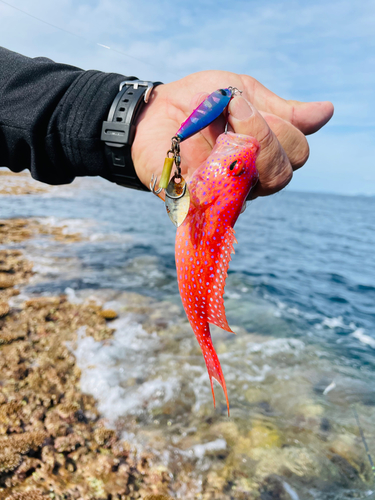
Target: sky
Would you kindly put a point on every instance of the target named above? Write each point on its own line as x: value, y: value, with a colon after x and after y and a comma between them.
x: 301, y: 50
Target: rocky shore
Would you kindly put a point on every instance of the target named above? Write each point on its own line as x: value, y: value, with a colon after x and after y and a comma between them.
x: 53, y: 443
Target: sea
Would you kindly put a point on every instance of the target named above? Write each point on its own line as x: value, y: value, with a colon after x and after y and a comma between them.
x: 300, y: 371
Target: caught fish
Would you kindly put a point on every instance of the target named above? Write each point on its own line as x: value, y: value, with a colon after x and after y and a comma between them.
x: 204, y: 242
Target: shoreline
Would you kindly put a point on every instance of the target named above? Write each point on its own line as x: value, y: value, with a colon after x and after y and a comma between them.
x: 53, y: 441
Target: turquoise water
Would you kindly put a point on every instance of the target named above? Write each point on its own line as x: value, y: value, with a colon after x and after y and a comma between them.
x: 300, y: 295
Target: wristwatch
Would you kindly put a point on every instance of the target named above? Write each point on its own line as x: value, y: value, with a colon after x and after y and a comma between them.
x: 119, y: 130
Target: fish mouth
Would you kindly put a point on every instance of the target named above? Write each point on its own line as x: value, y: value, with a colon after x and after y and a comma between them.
x: 230, y: 142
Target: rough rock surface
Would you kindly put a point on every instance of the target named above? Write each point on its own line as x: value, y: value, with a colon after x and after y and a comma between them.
x: 53, y: 443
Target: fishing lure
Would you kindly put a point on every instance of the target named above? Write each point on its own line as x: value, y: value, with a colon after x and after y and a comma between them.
x: 204, y: 241
x: 177, y: 196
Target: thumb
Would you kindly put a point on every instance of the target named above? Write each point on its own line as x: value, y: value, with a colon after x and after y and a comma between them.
x: 275, y: 170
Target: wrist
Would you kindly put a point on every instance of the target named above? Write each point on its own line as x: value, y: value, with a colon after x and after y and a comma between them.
x: 118, y: 131
x: 148, y: 130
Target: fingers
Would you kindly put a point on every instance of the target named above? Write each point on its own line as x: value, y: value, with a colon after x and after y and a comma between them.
x: 306, y: 116
x: 292, y: 140
x: 284, y: 147
x: 274, y: 167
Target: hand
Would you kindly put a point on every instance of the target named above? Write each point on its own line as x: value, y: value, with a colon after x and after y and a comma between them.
x: 279, y: 125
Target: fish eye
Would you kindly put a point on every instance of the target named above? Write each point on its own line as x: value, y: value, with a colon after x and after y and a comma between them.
x: 236, y: 167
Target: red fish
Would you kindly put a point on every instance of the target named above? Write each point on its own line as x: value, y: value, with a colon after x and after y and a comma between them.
x: 204, y: 242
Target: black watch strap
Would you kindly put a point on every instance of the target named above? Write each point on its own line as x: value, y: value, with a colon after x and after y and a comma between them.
x: 119, y: 130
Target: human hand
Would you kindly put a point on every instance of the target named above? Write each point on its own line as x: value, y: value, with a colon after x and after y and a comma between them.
x: 279, y: 125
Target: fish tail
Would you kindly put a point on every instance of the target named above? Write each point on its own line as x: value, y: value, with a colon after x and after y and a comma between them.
x: 212, y: 362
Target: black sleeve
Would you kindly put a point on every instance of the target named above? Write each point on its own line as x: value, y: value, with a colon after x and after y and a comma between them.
x: 51, y: 116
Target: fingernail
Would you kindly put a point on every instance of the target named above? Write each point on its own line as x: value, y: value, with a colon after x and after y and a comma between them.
x: 240, y: 109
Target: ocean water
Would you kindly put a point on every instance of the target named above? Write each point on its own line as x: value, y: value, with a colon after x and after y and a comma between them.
x: 300, y: 295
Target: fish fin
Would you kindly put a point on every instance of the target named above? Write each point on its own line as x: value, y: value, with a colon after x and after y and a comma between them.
x: 215, y: 307
x: 212, y: 362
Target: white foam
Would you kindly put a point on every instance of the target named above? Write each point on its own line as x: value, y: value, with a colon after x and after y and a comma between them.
x: 108, y: 366
x: 68, y: 226
x: 112, y: 237
x: 71, y: 296
x: 200, y: 450
x: 360, y: 335
x: 333, y: 322
x: 232, y: 295
x: 276, y: 346
x: 17, y: 300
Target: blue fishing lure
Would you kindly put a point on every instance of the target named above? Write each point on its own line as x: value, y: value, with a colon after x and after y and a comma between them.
x: 205, y: 113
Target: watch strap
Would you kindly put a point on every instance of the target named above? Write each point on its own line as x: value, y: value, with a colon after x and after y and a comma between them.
x: 118, y: 131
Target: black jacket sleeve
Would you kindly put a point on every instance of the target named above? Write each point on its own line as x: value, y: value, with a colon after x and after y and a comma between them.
x: 51, y: 116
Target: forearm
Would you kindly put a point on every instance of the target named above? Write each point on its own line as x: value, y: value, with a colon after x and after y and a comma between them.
x: 51, y: 117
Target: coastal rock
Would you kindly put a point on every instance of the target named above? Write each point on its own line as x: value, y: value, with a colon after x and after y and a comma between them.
x: 27, y: 495
x: 157, y: 497
x: 104, y: 436
x: 108, y: 314
x: 40, y: 302
x: 9, y: 460
x: 10, y: 414
x: 47, y: 426
x: 68, y: 443
x: 23, y: 442
x: 6, y: 280
x: 4, y: 309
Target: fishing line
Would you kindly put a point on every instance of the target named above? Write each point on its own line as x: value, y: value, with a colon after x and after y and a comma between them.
x: 331, y: 386
x: 364, y: 440
x: 87, y: 39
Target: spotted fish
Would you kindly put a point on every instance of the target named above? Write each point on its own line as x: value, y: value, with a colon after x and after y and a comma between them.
x: 204, y: 242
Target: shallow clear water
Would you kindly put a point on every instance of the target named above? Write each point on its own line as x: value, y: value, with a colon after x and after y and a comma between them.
x: 300, y: 295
